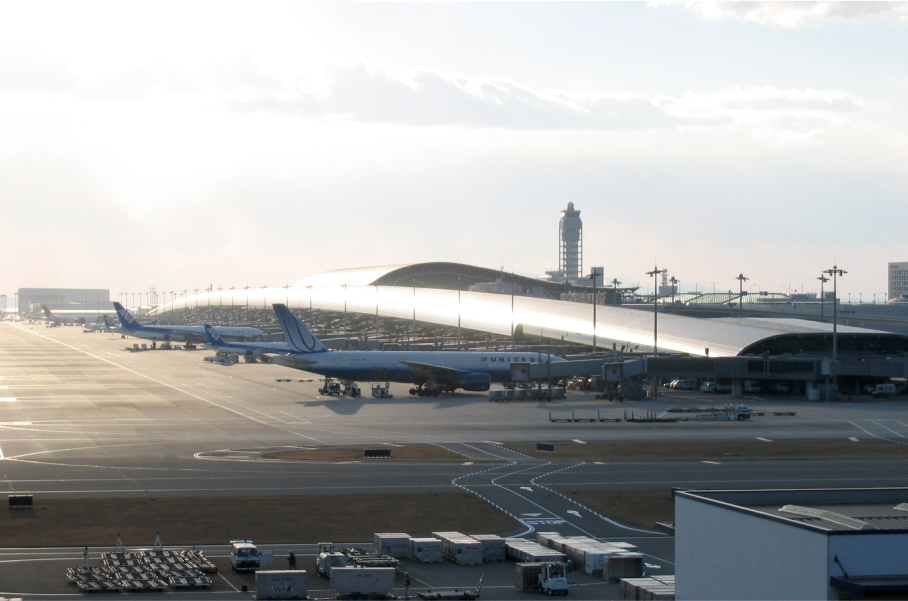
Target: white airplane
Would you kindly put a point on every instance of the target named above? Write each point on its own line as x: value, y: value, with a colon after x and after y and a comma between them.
x: 56, y: 320
x: 433, y: 372
x: 188, y: 334
x: 106, y: 326
x: 250, y: 351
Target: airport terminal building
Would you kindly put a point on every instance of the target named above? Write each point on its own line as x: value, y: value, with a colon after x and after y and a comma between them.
x: 437, y: 297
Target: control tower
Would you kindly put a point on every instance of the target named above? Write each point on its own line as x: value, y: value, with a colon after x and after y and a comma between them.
x: 570, y: 241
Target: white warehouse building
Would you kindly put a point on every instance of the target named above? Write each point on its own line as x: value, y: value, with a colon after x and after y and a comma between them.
x: 791, y: 544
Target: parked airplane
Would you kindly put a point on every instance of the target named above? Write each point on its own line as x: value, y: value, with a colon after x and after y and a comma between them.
x: 188, y: 334
x: 433, y: 372
x: 250, y: 351
x: 97, y: 327
x: 57, y: 320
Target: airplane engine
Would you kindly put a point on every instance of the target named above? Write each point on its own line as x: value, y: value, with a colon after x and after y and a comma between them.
x: 477, y: 382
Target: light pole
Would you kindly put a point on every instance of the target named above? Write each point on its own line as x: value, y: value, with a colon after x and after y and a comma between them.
x: 593, y: 274
x: 823, y: 279
x: 835, y: 272
x: 741, y: 279
x: 655, y: 272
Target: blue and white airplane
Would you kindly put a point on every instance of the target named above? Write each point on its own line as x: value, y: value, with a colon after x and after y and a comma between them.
x: 188, y: 334
x: 250, y: 351
x: 433, y: 372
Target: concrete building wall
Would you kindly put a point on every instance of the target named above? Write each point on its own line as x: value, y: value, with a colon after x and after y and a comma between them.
x: 898, y: 279
x: 726, y: 554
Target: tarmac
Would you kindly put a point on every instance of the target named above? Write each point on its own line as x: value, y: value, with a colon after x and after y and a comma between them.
x: 81, y: 416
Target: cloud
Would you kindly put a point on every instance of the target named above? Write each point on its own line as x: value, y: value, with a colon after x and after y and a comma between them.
x: 794, y: 14
x: 430, y: 98
x: 29, y: 70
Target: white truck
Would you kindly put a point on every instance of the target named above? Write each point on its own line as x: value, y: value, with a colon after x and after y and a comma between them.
x: 553, y: 579
x: 245, y: 556
x: 328, y: 558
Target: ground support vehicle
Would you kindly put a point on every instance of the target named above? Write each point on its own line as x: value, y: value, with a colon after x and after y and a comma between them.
x: 382, y: 392
x: 553, y: 579
x: 331, y: 388
x: 245, y: 557
x: 329, y: 558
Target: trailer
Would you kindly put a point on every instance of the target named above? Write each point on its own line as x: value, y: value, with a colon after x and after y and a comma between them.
x: 363, y: 583
x: 281, y: 584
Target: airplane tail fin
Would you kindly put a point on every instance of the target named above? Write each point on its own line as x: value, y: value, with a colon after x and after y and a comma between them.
x: 214, y: 338
x: 107, y: 322
x: 126, y: 319
x: 82, y: 321
x: 47, y: 312
x: 296, y: 333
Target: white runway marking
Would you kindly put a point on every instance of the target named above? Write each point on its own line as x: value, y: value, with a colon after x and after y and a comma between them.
x: 578, y: 441
x: 1, y: 454
x: 763, y: 439
x: 712, y: 462
x: 853, y: 439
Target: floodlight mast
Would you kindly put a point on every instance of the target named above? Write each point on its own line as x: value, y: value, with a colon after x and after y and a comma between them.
x: 823, y: 279
x: 836, y: 273
x: 741, y: 279
x: 656, y: 271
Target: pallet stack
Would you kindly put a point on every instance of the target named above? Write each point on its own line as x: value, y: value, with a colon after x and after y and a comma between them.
x: 493, y: 547
x: 520, y: 549
x: 656, y: 588
x: 527, y: 576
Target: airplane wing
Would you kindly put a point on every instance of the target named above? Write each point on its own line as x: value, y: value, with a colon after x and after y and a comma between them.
x: 427, y: 369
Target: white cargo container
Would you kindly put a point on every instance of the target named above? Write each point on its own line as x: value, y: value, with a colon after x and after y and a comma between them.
x: 395, y: 544
x: 427, y: 550
x: 281, y: 584
x: 493, y: 548
x: 465, y: 551
x: 363, y: 581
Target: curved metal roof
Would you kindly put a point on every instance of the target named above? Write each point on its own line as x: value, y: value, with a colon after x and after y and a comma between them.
x: 439, y: 274
x: 548, y: 318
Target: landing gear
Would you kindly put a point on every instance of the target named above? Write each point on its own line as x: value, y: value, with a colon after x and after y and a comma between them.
x: 426, y: 390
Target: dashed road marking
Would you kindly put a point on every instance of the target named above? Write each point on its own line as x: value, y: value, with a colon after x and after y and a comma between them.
x: 468, y: 463
x: 853, y: 439
x: 578, y: 441
x: 763, y: 439
x: 712, y: 462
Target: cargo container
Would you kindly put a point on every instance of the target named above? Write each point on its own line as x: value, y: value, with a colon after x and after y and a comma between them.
x: 281, y: 584
x: 527, y: 551
x: 427, y: 550
x: 493, y: 548
x: 363, y: 581
x: 465, y: 551
x: 393, y: 544
x: 622, y: 565
x: 527, y: 576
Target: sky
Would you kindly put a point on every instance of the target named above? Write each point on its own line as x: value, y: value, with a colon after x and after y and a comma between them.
x: 183, y: 145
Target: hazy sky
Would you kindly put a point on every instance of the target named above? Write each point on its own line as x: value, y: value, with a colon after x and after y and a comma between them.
x: 187, y: 144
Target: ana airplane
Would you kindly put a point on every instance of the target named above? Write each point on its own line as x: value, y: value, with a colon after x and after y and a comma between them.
x: 250, y: 351
x: 433, y: 372
x: 188, y: 334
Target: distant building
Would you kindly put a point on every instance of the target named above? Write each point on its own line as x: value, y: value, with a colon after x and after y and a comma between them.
x: 63, y: 299
x: 898, y: 279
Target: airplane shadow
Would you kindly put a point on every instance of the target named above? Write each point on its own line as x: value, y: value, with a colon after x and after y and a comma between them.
x: 351, y: 406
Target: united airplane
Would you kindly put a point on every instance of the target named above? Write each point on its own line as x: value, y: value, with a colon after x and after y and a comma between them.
x: 433, y: 372
x: 188, y: 334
